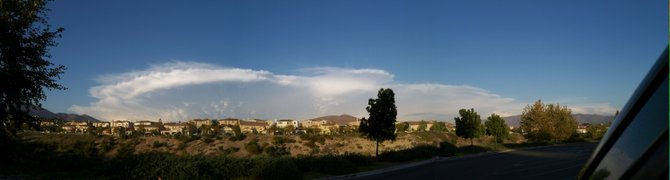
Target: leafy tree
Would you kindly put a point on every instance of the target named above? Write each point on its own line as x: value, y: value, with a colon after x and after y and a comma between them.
x: 25, y: 69
x: 253, y: 147
x: 469, y: 124
x: 496, y: 127
x: 439, y: 127
x: 422, y: 126
x: 547, y: 123
x: 563, y: 124
x: 596, y: 131
x: 238, y: 136
x: 380, y: 125
x: 402, y: 127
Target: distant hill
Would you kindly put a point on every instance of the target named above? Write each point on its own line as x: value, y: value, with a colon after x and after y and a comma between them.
x: 46, y: 114
x: 581, y: 118
x: 511, y: 120
x: 340, y: 120
x: 42, y: 113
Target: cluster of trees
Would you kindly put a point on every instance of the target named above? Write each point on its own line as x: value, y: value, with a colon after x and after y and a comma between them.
x: 277, y: 148
x: 469, y: 125
x: 547, y: 122
x: 423, y: 126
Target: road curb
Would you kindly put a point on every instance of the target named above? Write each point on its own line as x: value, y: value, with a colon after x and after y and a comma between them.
x: 432, y: 160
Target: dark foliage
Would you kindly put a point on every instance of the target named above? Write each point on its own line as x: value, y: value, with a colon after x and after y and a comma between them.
x: 380, y: 126
x: 25, y: 70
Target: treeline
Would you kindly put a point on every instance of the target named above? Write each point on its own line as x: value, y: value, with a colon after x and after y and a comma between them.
x: 540, y: 123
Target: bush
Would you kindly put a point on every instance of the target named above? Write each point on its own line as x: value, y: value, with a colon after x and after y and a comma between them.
x: 447, y: 149
x: 237, y: 137
x: 313, y: 138
x: 253, y: 147
x: 158, y: 144
x: 276, y: 150
x: 329, y: 164
x: 152, y: 165
x: 107, y: 144
x: 281, y: 140
x: 228, y: 151
x: 275, y: 168
x: 207, y: 140
x: 358, y: 159
x: 417, y: 152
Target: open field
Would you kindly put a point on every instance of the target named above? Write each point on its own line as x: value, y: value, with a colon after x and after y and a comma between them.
x: 41, y: 155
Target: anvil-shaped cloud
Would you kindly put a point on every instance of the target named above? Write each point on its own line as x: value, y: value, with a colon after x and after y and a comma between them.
x: 178, y: 91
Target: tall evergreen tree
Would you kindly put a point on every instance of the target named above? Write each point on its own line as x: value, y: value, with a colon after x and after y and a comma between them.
x: 469, y: 124
x: 25, y: 70
x: 380, y: 126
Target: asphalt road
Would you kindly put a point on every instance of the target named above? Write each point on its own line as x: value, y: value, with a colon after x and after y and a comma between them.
x: 552, y: 162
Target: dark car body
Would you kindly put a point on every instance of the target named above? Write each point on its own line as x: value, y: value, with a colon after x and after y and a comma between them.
x: 636, y: 145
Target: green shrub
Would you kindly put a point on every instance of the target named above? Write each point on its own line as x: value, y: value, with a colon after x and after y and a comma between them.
x: 207, y: 140
x: 253, y: 147
x: 276, y: 168
x: 358, y: 159
x: 276, y: 151
x: 228, y: 151
x: 329, y: 164
x: 417, y: 152
x: 281, y: 140
x: 158, y: 144
x: 107, y: 144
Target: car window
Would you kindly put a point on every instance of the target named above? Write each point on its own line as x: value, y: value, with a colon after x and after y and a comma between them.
x: 647, y: 125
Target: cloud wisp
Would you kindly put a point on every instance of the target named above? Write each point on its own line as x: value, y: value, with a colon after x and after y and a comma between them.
x: 179, y: 91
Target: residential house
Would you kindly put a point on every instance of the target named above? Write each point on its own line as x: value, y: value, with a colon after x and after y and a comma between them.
x: 175, y: 128
x: 101, y: 124
x: 145, y: 123
x: 249, y: 127
x: 121, y: 123
x: 228, y: 130
x: 69, y: 128
x: 582, y: 128
x: 200, y: 122
x: 322, y: 126
x: 283, y: 123
x: 328, y: 128
x: 229, y: 122
x: 270, y: 123
x: 47, y: 122
x: 148, y: 129
x: 147, y: 126
x: 314, y: 123
x: 76, y: 127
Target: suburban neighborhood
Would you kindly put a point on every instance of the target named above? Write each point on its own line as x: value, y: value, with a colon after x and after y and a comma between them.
x: 326, y: 125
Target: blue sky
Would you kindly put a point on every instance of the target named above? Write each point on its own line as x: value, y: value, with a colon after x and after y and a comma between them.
x: 488, y: 55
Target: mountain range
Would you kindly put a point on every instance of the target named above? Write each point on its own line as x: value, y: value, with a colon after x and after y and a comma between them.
x: 46, y: 114
x: 581, y: 118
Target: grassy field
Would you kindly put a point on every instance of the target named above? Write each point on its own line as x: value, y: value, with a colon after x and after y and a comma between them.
x: 49, y: 156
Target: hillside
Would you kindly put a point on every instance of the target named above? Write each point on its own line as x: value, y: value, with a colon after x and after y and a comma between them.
x: 46, y: 114
x: 340, y: 120
x: 581, y: 118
